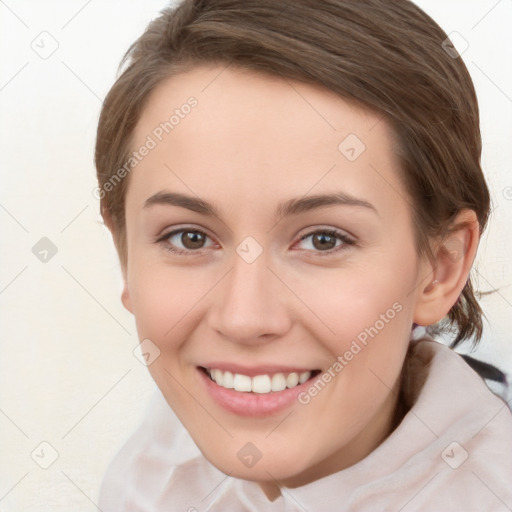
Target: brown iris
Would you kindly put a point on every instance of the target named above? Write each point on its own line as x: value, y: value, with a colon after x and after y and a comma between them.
x: 323, y: 241
x: 193, y: 239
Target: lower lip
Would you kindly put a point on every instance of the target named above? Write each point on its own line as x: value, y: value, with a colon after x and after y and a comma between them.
x: 252, y: 404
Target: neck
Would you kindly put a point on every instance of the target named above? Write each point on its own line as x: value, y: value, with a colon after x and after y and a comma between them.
x: 385, y: 422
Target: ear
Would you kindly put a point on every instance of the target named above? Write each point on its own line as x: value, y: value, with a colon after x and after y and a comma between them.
x: 125, y: 297
x: 449, y: 271
x: 125, y: 294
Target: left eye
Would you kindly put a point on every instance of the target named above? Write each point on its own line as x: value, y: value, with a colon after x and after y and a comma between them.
x: 325, y: 241
x: 187, y: 240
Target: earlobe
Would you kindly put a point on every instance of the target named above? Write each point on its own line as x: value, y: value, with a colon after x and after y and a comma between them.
x: 125, y: 295
x: 449, y: 271
x: 125, y: 298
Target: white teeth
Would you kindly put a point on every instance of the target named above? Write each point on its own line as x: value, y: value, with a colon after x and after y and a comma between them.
x: 278, y: 382
x: 292, y: 380
x: 228, y: 380
x: 218, y: 377
x: 261, y: 384
x: 303, y: 377
x: 241, y: 383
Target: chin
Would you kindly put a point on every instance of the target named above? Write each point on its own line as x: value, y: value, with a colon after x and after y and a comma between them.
x: 267, y: 465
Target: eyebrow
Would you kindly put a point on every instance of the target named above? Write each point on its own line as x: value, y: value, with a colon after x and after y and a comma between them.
x: 304, y: 204
x: 175, y: 199
x: 288, y: 208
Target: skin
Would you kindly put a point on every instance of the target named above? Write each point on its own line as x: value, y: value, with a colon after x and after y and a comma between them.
x: 252, y: 142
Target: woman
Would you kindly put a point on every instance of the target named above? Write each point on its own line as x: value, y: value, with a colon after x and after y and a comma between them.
x: 290, y: 188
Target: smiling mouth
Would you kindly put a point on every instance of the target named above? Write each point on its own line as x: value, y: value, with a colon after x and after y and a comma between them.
x: 260, y: 384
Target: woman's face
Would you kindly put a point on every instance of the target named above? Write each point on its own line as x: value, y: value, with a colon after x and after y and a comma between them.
x: 270, y: 243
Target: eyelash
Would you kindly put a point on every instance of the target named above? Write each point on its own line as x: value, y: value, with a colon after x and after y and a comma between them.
x: 164, y: 240
x: 346, y: 241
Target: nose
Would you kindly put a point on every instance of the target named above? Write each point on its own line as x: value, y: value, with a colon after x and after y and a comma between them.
x: 251, y: 305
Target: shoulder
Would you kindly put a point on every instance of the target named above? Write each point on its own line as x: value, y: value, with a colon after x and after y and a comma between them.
x: 470, y: 430
x: 142, y: 466
x: 432, y: 362
x: 450, y: 452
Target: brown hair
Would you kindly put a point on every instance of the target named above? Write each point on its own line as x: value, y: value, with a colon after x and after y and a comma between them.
x: 387, y: 55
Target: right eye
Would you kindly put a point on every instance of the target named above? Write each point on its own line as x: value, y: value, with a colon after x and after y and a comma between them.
x: 185, y: 241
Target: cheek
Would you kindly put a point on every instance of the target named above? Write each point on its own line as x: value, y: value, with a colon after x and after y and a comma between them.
x: 165, y: 298
x: 358, y: 302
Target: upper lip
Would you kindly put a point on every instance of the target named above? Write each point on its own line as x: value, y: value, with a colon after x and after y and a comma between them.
x: 252, y: 371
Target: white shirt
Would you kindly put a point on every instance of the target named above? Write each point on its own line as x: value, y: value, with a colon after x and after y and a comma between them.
x: 451, y: 452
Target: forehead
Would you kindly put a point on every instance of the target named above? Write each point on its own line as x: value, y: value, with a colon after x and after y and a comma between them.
x: 253, y: 137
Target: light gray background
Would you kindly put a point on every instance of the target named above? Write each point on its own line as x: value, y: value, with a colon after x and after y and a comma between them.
x: 68, y: 375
